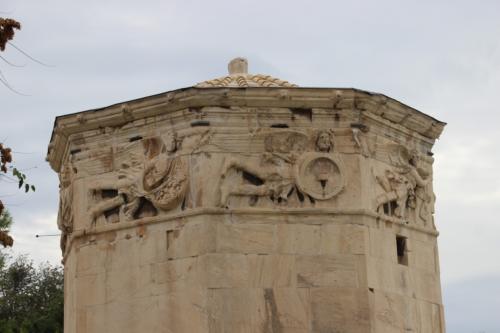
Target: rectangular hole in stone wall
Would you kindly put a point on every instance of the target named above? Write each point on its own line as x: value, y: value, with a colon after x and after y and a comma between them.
x: 171, y: 236
x: 402, y: 251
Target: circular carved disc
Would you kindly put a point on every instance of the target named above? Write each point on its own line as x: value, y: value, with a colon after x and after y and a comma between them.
x: 320, y: 175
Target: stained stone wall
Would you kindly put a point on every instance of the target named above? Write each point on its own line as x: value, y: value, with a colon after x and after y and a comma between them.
x: 254, y: 209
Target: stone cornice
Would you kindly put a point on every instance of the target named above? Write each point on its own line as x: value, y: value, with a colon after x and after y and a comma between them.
x: 376, y: 106
x: 180, y: 218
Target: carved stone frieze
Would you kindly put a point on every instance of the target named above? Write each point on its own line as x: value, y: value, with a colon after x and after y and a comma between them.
x: 407, y: 187
x: 143, y: 186
x: 270, y: 174
x: 394, y: 201
x: 288, y: 167
x: 65, y: 214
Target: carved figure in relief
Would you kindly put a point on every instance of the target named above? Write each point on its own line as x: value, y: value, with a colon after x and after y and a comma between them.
x: 397, y: 190
x: 285, y: 167
x: 407, y: 186
x: 273, y: 170
x: 319, y: 175
x: 65, y: 214
x: 165, y: 181
x: 160, y: 182
x: 355, y: 135
x: 420, y: 174
x: 171, y: 142
x: 118, y: 196
x: 359, y: 137
x: 324, y: 141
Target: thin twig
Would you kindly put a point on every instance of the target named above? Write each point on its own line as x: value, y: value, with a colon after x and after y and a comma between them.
x: 12, y: 64
x: 28, y: 56
x: 7, y: 177
x: 23, y: 152
x: 27, y: 169
x: 9, y: 195
x: 6, y: 83
x: 22, y: 203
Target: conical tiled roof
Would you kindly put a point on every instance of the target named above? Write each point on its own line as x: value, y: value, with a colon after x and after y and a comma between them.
x: 239, y: 77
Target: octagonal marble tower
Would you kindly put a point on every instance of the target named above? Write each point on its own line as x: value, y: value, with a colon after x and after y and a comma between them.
x: 248, y: 204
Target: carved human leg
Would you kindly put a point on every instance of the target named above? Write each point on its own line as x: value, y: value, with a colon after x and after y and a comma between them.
x: 386, y: 198
x: 106, y: 205
x: 128, y: 210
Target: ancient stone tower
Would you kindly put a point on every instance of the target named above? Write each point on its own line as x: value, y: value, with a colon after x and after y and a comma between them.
x: 246, y: 204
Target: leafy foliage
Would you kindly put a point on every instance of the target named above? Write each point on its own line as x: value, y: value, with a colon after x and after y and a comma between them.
x: 21, y: 177
x: 5, y: 160
x: 31, y: 299
x: 5, y: 223
x: 7, y: 27
x: 5, y: 220
x: 7, y: 31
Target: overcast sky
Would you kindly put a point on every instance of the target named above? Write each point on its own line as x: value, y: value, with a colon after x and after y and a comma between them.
x: 441, y: 57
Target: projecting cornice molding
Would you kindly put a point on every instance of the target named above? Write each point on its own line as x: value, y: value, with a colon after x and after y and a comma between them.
x: 374, y: 106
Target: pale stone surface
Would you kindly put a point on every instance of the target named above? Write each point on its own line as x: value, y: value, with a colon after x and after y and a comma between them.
x: 267, y: 208
x: 340, y: 309
x: 255, y: 310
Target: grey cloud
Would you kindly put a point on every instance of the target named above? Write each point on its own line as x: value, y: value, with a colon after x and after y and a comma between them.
x: 472, y: 305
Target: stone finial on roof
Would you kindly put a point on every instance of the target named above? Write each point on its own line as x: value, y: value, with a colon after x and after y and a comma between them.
x: 239, y: 77
x: 238, y: 66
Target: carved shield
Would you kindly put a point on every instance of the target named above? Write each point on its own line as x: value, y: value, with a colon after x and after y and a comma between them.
x: 320, y: 175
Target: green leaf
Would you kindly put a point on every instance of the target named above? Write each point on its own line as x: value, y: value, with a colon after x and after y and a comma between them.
x: 21, y: 181
x: 33, y: 188
x: 26, y: 188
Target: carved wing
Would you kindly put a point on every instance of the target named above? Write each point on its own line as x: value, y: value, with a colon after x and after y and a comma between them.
x: 286, y: 141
